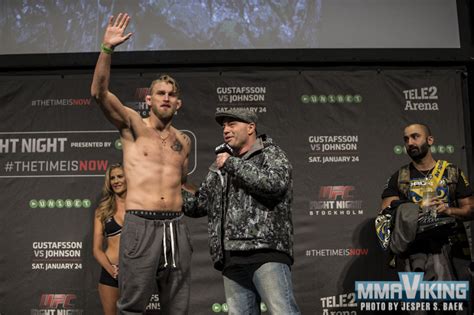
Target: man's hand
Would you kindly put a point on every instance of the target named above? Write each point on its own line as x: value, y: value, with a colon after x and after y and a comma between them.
x: 440, y: 206
x: 114, y: 33
x: 221, y: 158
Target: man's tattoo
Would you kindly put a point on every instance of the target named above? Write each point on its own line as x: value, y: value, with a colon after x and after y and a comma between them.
x: 177, y: 146
x: 185, y: 137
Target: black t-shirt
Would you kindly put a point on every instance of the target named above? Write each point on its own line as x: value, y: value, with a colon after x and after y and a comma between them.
x: 418, y: 181
x: 258, y: 256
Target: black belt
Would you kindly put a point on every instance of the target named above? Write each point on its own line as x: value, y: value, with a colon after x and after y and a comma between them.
x: 155, y: 215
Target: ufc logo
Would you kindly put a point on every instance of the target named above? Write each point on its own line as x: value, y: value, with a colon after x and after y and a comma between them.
x: 336, y: 192
x: 56, y: 300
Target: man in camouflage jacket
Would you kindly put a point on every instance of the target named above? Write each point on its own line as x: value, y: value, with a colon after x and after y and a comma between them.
x: 247, y: 196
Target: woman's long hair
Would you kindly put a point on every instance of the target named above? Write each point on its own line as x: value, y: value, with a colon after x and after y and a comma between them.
x: 106, y: 208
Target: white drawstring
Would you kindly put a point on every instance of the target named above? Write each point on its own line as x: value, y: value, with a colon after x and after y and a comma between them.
x: 165, y: 251
x: 164, y: 243
x: 172, y: 244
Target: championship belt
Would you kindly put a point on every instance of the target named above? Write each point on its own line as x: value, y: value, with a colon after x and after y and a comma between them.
x: 383, y: 228
x: 426, y: 221
x: 384, y: 223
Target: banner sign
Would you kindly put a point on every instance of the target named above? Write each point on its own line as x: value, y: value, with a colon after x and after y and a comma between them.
x: 342, y: 131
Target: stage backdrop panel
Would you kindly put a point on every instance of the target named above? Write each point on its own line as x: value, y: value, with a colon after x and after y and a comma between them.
x: 342, y: 131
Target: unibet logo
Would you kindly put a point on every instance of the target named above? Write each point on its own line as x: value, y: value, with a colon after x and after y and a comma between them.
x: 118, y: 144
x: 441, y: 149
x: 224, y: 308
x: 331, y: 99
x: 59, y: 203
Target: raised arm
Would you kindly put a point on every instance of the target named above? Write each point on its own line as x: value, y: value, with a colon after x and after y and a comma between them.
x: 113, y: 109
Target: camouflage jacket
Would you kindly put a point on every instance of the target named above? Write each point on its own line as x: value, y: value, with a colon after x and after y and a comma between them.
x: 248, y: 202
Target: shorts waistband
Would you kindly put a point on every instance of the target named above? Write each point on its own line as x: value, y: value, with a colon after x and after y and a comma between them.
x: 155, y: 215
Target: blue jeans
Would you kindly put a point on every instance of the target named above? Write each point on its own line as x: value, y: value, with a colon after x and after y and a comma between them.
x: 245, y: 287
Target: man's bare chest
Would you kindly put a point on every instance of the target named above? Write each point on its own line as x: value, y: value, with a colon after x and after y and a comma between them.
x: 149, y: 149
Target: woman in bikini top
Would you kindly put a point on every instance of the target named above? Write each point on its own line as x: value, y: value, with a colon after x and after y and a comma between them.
x: 108, y: 222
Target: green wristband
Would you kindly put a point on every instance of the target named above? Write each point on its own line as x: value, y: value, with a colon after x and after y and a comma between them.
x: 108, y: 51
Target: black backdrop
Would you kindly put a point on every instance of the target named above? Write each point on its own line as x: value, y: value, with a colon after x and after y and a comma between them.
x: 342, y: 130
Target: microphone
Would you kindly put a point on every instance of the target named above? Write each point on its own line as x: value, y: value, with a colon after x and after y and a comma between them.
x: 224, y: 147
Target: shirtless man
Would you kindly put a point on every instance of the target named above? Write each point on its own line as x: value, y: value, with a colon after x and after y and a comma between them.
x: 155, y: 243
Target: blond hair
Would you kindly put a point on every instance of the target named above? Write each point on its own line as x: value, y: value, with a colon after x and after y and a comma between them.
x: 167, y: 79
x: 106, y: 208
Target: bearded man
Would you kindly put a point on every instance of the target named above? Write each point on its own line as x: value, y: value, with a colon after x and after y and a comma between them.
x: 433, y: 202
